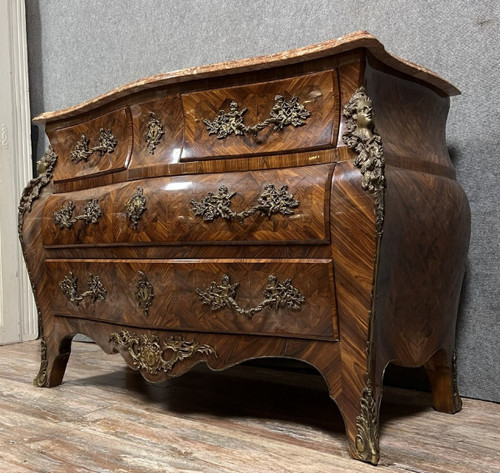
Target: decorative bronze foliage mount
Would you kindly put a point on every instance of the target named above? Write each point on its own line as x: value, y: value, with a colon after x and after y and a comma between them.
x: 360, y: 136
x: 277, y: 295
x: 367, y: 439
x: 270, y: 202
x: 281, y: 115
x: 63, y: 218
x: 148, y: 353
x: 82, y: 152
x: 96, y: 291
x: 32, y: 191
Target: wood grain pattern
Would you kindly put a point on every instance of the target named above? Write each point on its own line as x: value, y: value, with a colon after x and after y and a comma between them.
x: 64, y: 140
x: 421, y: 321
x: 244, y: 421
x: 374, y: 293
x: 318, y: 93
x: 412, y: 119
x: 170, y: 217
x: 353, y: 251
x: 168, y: 109
x: 176, y: 305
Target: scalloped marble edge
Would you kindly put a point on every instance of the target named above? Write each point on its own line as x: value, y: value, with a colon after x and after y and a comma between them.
x: 360, y: 39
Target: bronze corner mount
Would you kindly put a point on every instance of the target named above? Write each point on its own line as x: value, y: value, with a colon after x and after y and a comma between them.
x: 361, y: 137
x: 34, y: 188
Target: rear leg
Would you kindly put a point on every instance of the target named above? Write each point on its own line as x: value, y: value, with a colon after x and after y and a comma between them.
x: 442, y: 371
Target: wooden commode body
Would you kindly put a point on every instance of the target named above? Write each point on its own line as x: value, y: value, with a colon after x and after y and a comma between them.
x: 301, y: 205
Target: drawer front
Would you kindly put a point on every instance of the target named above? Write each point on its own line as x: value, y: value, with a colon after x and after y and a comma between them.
x: 276, y: 116
x: 95, y: 147
x: 271, y: 297
x: 275, y: 206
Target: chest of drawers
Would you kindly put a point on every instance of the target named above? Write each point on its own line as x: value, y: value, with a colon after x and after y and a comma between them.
x: 301, y: 205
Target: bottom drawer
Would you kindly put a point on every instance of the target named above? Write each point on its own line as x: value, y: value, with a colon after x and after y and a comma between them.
x: 269, y: 297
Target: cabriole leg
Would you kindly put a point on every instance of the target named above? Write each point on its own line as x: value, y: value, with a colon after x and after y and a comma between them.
x: 54, y: 358
x: 362, y: 426
x: 442, y: 371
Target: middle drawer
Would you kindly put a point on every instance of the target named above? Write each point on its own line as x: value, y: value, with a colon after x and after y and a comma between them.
x: 276, y: 297
x: 276, y: 206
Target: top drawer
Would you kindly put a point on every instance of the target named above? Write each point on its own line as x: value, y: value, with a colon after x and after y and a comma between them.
x: 282, y: 115
x: 94, y: 147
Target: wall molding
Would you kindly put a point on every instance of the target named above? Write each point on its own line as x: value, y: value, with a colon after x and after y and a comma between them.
x: 18, y: 315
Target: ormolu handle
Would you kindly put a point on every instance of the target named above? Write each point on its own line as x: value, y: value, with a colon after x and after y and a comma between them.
x: 270, y: 202
x: 281, y: 115
x: 96, y: 291
x: 276, y: 296
x: 63, y: 218
x: 82, y: 152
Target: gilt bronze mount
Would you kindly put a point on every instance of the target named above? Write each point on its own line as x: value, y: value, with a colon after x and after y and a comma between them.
x: 361, y: 137
x: 282, y: 114
x: 136, y: 207
x: 107, y: 144
x: 270, y: 202
x: 144, y: 293
x: 63, y: 218
x: 155, y: 132
x: 148, y: 353
x: 277, y: 295
x: 95, y: 289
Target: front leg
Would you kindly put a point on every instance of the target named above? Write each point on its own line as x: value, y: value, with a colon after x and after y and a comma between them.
x: 54, y: 358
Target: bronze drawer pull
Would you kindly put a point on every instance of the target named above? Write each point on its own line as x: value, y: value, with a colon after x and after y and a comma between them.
x: 82, y: 152
x: 281, y: 115
x: 96, y: 291
x: 63, y: 218
x: 155, y: 132
x: 135, y: 207
x: 270, y: 202
x: 277, y: 295
x: 147, y: 352
x: 144, y: 293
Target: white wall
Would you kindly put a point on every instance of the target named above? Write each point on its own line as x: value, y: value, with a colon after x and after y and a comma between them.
x: 18, y: 319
